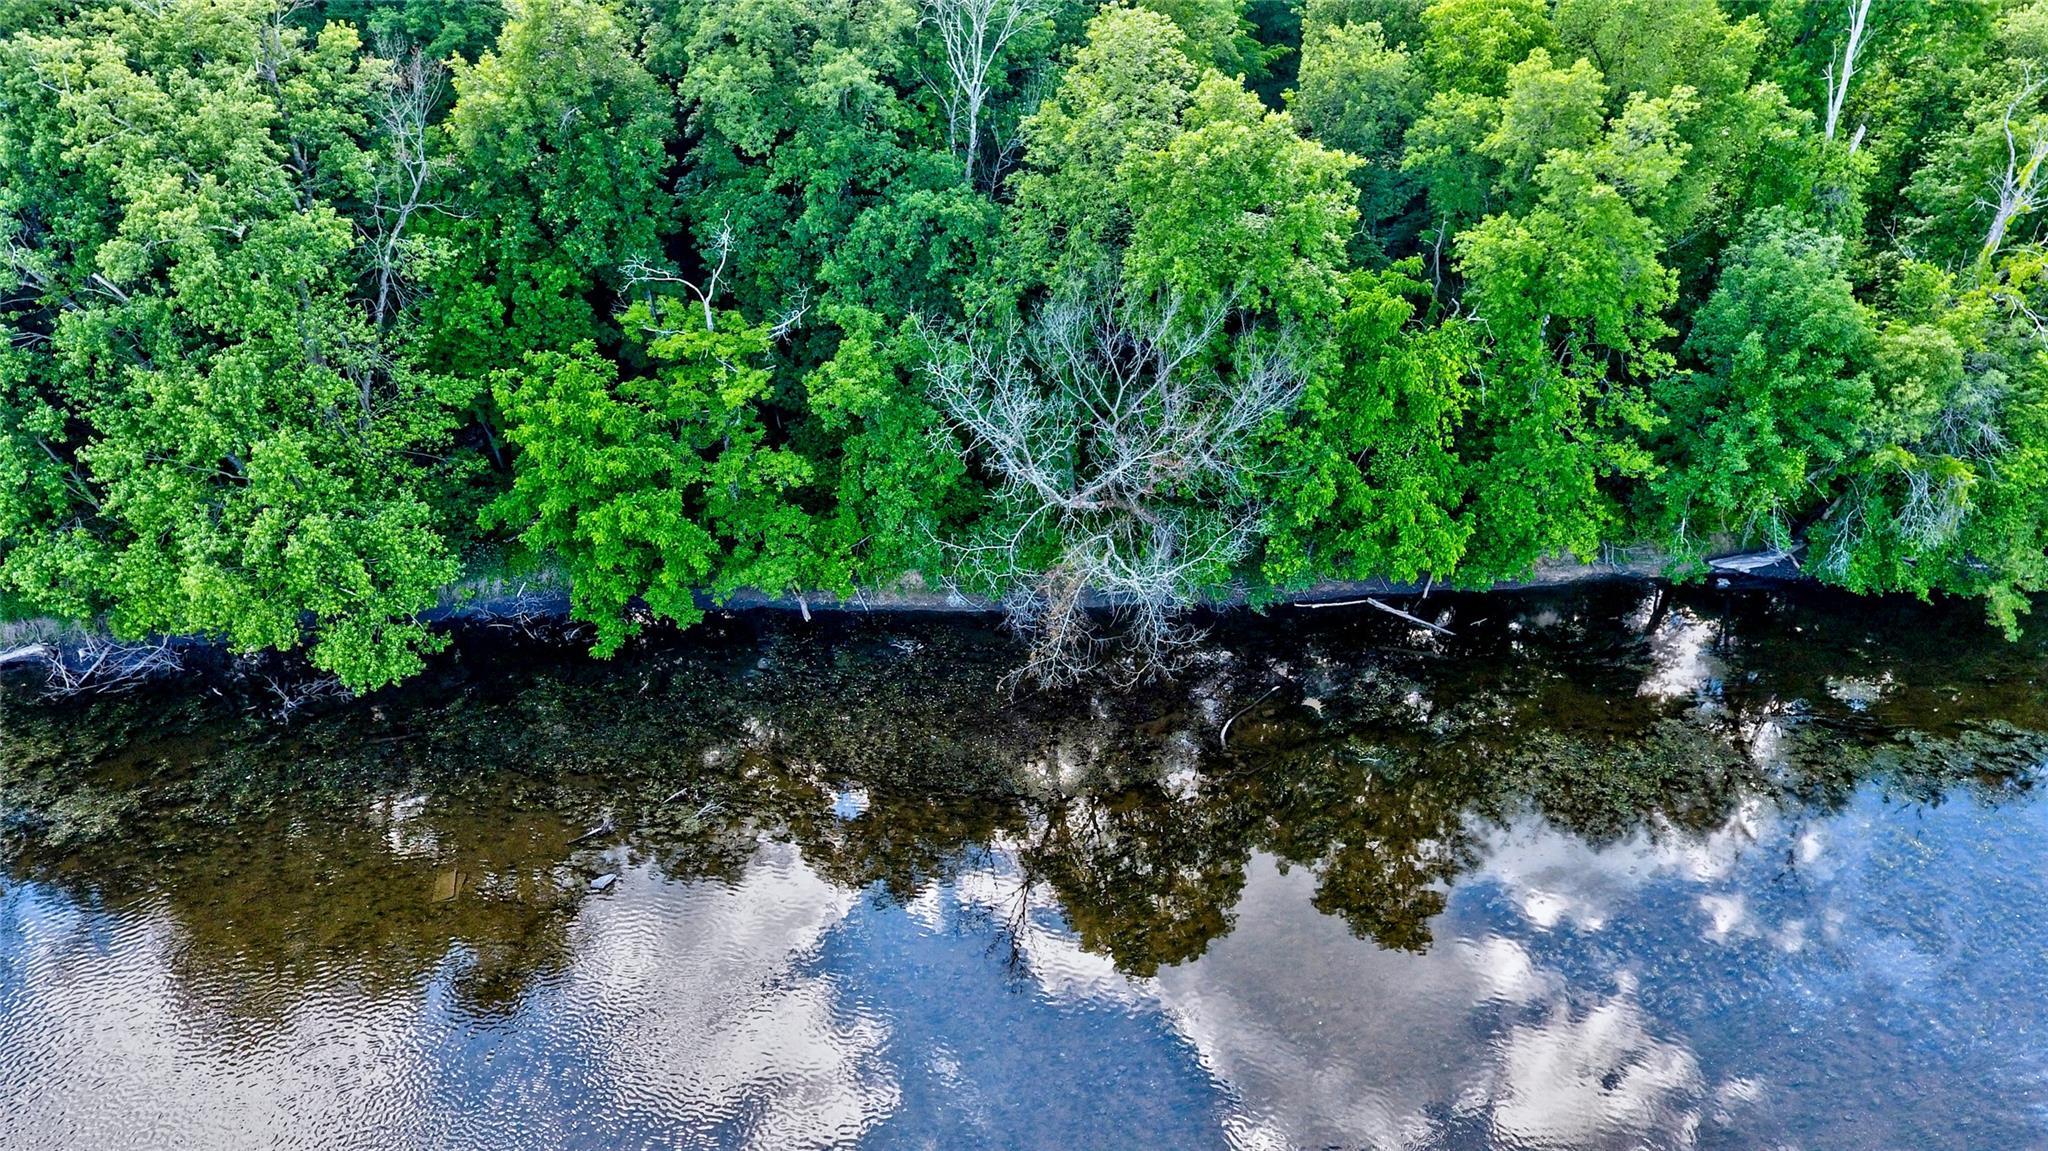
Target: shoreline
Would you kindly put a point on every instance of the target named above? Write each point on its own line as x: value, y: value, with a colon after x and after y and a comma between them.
x: 80, y: 658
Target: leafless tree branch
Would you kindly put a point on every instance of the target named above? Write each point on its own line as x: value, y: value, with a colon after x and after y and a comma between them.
x: 2015, y: 189
x: 642, y: 273
x: 1119, y: 442
x: 1838, y: 84
x: 411, y: 87
x: 974, y: 34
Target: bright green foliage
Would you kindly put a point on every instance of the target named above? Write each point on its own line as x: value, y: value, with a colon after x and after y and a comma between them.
x: 1505, y: 280
x: 1952, y: 495
x: 559, y: 133
x: 204, y: 435
x: 1653, y: 46
x: 1762, y: 431
x: 1571, y: 295
x: 1238, y: 208
x: 1123, y: 95
x: 1546, y: 109
x: 1957, y: 189
x: 1400, y: 20
x: 604, y: 467
x: 1469, y: 45
x: 655, y: 486
x: 1369, y: 482
x: 1922, y: 62
x: 1209, y: 199
x: 1738, y: 134
x: 1442, y: 152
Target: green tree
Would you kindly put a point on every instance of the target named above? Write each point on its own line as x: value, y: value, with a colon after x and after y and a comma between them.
x: 1358, y: 94
x: 1920, y: 63
x: 1175, y: 274
x: 1218, y: 35
x: 1400, y: 20
x: 438, y: 28
x: 1761, y: 432
x: 899, y: 485
x: 1367, y: 480
x: 1469, y: 45
x: 1976, y: 189
x: 655, y: 486
x: 1570, y: 295
x: 1237, y: 209
x: 1951, y: 493
x: 559, y: 135
x: 1122, y: 96
x: 800, y: 128
x: 207, y: 434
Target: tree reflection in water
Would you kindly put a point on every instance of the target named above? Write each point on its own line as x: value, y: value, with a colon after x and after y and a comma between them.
x: 383, y: 836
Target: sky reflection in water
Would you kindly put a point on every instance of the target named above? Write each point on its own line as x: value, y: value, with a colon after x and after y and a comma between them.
x: 1857, y: 970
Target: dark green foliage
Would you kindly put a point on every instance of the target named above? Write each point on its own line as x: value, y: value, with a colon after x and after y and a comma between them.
x: 557, y: 136
x: 438, y: 28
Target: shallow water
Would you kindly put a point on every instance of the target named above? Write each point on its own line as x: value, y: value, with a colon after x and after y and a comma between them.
x: 1606, y: 869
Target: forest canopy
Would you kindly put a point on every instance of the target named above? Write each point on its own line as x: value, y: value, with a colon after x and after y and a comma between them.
x: 313, y: 306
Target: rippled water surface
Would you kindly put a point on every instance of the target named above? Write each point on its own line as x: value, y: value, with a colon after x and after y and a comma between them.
x: 1613, y: 869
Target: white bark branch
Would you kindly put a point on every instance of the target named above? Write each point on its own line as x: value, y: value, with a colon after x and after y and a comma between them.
x: 1113, y: 433
x: 2015, y: 189
x: 974, y: 34
x: 412, y: 87
x: 1838, y: 84
x: 641, y: 273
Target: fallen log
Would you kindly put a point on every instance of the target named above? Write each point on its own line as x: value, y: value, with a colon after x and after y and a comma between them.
x: 26, y: 653
x: 1752, y: 562
x: 1414, y: 619
x: 1385, y: 607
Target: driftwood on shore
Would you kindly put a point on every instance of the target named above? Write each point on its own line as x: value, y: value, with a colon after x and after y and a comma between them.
x: 27, y: 653
x: 80, y: 662
x: 1370, y: 601
x: 1754, y: 563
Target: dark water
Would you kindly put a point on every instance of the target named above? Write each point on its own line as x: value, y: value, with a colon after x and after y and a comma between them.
x: 1610, y: 869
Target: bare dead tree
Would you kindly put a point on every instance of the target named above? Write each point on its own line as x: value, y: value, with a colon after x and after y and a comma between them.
x: 1929, y: 504
x: 644, y: 274
x: 2015, y: 189
x: 1120, y: 446
x: 974, y: 34
x: 1849, y: 523
x: 1970, y: 425
x: 1838, y: 80
x: 411, y: 87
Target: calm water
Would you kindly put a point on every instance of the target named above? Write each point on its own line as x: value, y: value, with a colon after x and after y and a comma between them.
x: 1609, y: 869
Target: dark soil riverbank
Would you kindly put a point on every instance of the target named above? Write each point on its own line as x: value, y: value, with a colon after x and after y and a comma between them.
x: 68, y: 657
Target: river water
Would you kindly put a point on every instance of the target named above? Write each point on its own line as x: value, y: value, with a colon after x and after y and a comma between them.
x: 1610, y: 868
